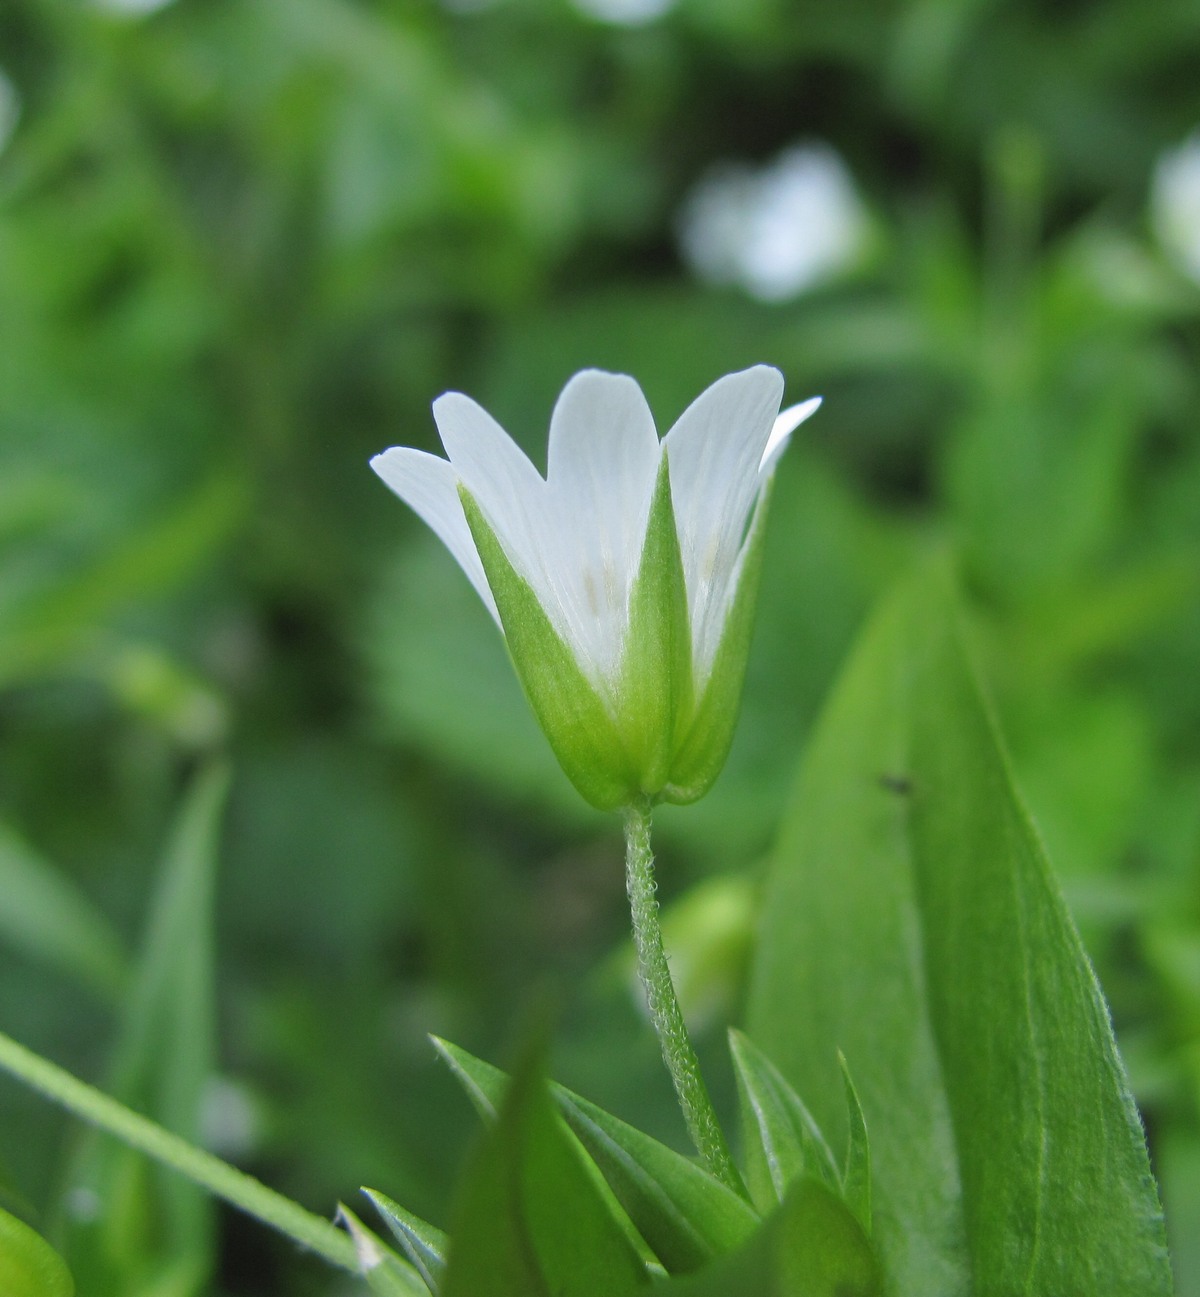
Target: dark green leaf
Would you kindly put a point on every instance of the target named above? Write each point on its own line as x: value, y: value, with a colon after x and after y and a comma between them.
x: 164, y: 1059
x: 530, y: 1221
x: 46, y: 917
x: 684, y: 1214
x: 812, y: 1246
x: 911, y: 912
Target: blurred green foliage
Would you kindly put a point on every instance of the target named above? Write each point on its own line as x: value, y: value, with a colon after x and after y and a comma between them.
x: 243, y: 245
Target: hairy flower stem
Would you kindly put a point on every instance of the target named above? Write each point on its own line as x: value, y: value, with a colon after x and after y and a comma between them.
x: 665, y: 1014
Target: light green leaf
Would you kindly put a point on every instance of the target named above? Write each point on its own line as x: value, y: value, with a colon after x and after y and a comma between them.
x: 856, y: 1179
x: 782, y: 1140
x: 484, y: 1083
x: 384, y: 1272
x: 912, y: 914
x: 655, y: 697
x: 425, y: 1245
x: 685, y: 1215
x: 46, y: 917
x: 570, y: 712
x: 530, y: 1221
x: 29, y: 1266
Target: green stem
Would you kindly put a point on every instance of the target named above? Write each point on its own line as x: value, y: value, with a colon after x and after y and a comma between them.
x: 235, y: 1187
x: 665, y: 1014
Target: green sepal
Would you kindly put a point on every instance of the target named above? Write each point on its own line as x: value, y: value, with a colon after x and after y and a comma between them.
x: 782, y: 1139
x: 700, y: 756
x: 567, y: 706
x: 29, y: 1266
x: 655, y: 695
x: 424, y: 1244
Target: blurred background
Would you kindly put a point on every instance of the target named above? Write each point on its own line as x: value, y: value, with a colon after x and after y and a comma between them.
x: 244, y: 245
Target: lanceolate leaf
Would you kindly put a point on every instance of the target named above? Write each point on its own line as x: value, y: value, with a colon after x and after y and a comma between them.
x: 782, y: 1140
x: 384, y: 1272
x: 856, y: 1179
x: 164, y: 1058
x: 46, y: 917
x: 911, y: 919
x: 484, y: 1083
x: 530, y: 1221
x: 812, y: 1246
x: 425, y: 1245
x: 685, y: 1215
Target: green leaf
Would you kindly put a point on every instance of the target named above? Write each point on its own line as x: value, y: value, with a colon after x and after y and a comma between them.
x: 47, y: 918
x: 384, y: 1272
x: 29, y: 1266
x: 912, y: 914
x: 685, y: 1215
x: 811, y: 1246
x: 530, y: 1220
x: 569, y: 710
x: 655, y: 697
x: 702, y: 753
x: 485, y: 1084
x: 57, y: 624
x: 782, y: 1140
x: 425, y: 1245
x: 164, y: 1058
x: 856, y: 1179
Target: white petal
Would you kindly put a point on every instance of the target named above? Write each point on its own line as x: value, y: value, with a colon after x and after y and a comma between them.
x: 715, y: 451
x: 508, y: 489
x: 429, y: 486
x: 787, y: 423
x: 601, y: 467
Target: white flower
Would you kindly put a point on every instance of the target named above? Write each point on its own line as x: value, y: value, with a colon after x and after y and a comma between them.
x: 634, y: 551
x: 779, y: 231
x: 1175, y: 204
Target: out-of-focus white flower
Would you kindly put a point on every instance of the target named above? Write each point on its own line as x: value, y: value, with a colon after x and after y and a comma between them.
x: 1175, y: 204
x: 625, y: 13
x: 776, y: 231
x: 10, y: 110
x: 624, y: 580
x: 132, y: 8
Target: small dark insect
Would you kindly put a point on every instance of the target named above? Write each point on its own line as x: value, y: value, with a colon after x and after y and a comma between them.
x: 901, y: 785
